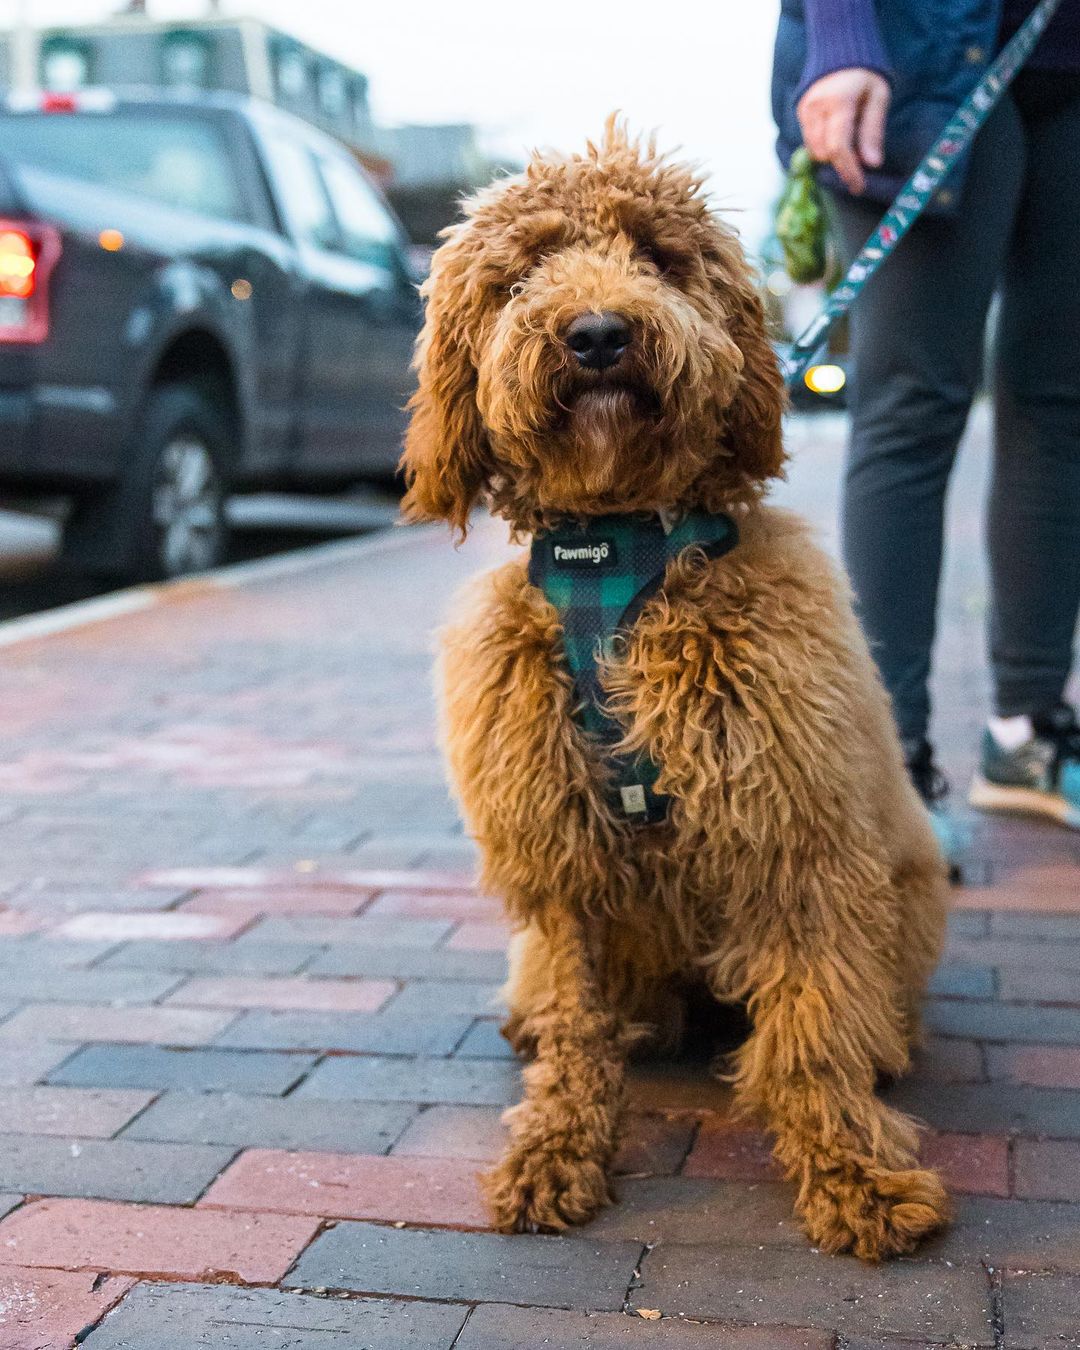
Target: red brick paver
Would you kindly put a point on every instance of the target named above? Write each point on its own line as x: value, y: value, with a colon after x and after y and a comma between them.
x: 47, y: 1309
x: 159, y: 1241
x: 16, y: 923
x: 970, y: 1164
x: 464, y: 905
x: 74, y: 1112
x: 1051, y: 1066
x: 323, y: 995
x: 131, y: 927
x: 1041, y: 889
x: 257, y: 901
x: 732, y: 1152
x: 652, y: 1145
x: 90, y: 1022
x: 437, y: 1191
x: 478, y: 935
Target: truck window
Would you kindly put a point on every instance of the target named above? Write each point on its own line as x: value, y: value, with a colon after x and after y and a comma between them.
x: 177, y: 161
x: 303, y: 197
x: 368, y: 232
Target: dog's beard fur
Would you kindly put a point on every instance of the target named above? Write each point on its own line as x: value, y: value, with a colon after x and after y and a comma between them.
x: 609, y: 429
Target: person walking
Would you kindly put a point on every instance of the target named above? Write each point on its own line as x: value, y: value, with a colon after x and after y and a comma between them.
x: 866, y: 87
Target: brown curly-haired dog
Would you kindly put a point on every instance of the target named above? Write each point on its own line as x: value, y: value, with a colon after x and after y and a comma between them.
x: 796, y: 868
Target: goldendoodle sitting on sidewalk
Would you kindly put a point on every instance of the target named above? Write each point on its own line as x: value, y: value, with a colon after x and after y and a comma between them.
x: 665, y: 727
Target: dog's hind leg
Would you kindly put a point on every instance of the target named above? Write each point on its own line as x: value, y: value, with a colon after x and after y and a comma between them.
x: 565, y: 1133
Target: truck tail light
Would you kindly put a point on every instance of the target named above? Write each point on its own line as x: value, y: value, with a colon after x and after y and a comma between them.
x: 28, y: 254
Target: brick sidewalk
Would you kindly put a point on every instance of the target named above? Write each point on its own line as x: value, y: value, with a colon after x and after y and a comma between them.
x: 248, y: 1052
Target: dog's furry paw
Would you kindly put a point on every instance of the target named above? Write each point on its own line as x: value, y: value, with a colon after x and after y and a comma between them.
x: 874, y: 1214
x: 535, y: 1190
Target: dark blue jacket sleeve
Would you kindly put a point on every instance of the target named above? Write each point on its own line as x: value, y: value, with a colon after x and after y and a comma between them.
x: 841, y: 34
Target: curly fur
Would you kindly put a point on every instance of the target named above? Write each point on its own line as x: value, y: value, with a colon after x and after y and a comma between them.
x: 797, y: 870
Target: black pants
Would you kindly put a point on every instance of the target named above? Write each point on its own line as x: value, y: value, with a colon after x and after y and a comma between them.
x: 917, y: 346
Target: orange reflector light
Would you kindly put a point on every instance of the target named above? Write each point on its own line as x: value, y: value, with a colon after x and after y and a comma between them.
x: 17, y: 264
x: 112, y: 241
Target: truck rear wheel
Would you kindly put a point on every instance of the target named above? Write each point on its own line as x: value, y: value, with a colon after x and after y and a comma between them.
x: 166, y: 518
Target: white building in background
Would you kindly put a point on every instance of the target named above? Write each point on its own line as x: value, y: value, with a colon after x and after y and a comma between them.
x: 247, y: 56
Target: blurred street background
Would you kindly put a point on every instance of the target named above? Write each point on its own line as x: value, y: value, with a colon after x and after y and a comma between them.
x: 128, y: 193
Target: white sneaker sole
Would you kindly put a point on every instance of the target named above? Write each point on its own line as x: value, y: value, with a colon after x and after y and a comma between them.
x: 987, y: 796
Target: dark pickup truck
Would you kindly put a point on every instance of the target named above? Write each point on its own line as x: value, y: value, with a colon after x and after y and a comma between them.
x: 197, y: 294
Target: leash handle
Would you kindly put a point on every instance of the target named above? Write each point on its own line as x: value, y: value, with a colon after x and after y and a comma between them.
x: 911, y: 201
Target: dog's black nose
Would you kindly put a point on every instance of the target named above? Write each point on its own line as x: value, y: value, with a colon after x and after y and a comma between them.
x: 598, y: 340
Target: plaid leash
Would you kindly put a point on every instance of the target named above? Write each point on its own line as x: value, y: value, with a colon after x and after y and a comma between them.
x: 599, y: 573
x: 911, y: 200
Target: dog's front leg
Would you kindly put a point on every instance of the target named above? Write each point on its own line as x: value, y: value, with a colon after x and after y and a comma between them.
x: 824, y: 1022
x: 565, y: 1133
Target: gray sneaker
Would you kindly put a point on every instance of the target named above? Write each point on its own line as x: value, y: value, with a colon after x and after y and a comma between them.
x: 1040, y: 778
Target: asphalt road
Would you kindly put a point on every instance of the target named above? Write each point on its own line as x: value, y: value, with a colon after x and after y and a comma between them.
x: 31, y: 579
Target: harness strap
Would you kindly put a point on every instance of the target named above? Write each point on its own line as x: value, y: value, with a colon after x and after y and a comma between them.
x: 599, y: 574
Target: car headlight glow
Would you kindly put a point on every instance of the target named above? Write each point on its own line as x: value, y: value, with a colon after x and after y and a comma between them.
x: 825, y: 379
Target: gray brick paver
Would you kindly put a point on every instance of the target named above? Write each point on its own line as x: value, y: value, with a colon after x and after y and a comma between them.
x: 481, y: 1267
x: 468, y: 1082
x: 31, y: 984
x: 216, y: 1317
x: 387, y: 1033
x: 273, y: 1122
x: 472, y: 997
x: 801, y: 1286
x: 969, y: 923
x: 174, y: 1174
x: 498, y: 1327
x: 59, y: 902
x: 693, y: 1210
x: 1041, y: 1312
x: 408, y: 963
x: 990, y: 1108
x: 22, y: 1065
x: 989, y: 1021
x: 1019, y: 953
x: 152, y: 1066
x: 376, y: 932
x: 46, y: 954
x: 484, y: 1041
x: 1026, y: 1235
x: 963, y: 980
x: 1052, y: 928
x: 238, y: 957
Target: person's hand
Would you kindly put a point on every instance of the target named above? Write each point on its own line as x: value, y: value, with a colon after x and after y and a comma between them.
x: 842, y: 117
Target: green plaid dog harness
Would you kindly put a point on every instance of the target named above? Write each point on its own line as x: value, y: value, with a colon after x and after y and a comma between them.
x: 599, y: 573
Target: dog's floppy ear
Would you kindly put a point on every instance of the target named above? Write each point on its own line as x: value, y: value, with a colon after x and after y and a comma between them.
x: 446, y: 449
x: 753, y: 422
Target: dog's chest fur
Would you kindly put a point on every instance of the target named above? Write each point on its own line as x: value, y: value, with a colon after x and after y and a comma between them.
x: 721, y: 683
